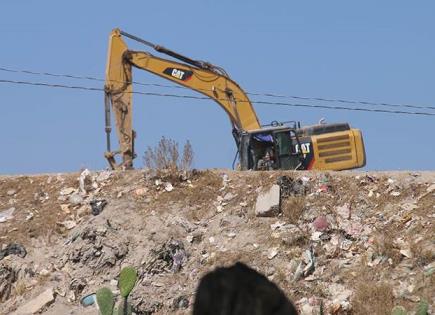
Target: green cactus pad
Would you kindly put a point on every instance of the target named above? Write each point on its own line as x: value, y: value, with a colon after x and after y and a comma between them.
x: 127, y: 280
x: 423, y: 308
x: 399, y: 310
x: 105, y: 301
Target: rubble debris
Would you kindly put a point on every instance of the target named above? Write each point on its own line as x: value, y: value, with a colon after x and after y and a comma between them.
x: 13, y: 249
x: 180, y: 303
x: 370, y: 235
x: 306, y: 265
x: 268, y: 203
x: 170, y: 257
x: 7, y: 278
x: 291, y: 187
x: 67, y: 191
x: 75, y: 199
x: 68, y: 224
x: 98, y: 206
x: 6, y: 215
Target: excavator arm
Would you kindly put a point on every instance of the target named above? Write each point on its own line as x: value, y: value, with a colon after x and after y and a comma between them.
x: 196, y: 75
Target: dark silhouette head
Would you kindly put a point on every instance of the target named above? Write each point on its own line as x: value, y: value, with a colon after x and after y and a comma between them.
x: 240, y: 290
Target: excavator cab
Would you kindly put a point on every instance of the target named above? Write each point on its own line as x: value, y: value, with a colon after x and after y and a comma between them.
x: 270, y: 149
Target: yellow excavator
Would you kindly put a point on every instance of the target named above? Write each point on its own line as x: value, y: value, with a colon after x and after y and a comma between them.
x: 277, y: 146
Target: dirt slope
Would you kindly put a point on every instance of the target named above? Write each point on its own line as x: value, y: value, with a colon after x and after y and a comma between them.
x: 340, y: 239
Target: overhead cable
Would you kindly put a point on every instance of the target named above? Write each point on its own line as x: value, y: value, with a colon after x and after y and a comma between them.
x: 207, y: 98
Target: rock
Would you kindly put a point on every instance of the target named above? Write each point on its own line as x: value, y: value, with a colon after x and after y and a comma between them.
x: 229, y: 196
x: 268, y: 203
x: 75, y: 199
x: 180, y: 303
x: 35, y: 305
x: 65, y: 208
x: 11, y: 192
x: 321, y: 224
x: 141, y: 192
x: 431, y: 188
x: 67, y: 191
x: 6, y: 214
x: 7, y: 277
x: 68, y: 224
x: 272, y: 253
x: 103, y: 176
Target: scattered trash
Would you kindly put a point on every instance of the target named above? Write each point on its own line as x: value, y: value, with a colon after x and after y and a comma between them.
x: 88, y: 300
x: 290, y: 187
x: 85, y: 181
x: 98, y: 206
x: 306, y: 265
x: 7, y: 214
x: 321, y: 223
x: 169, y: 187
x: 13, y: 249
x: 171, y: 256
x: 7, y: 278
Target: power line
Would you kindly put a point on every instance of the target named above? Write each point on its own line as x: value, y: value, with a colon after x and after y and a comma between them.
x: 320, y: 99
x: 207, y: 98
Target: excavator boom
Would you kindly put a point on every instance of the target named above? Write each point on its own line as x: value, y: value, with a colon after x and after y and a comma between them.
x: 199, y: 76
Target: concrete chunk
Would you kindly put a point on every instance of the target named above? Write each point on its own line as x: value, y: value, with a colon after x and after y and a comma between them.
x: 36, y: 304
x: 267, y: 204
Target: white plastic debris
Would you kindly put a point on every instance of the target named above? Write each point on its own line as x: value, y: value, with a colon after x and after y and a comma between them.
x: 169, y: 187
x: 6, y: 214
x: 82, y: 180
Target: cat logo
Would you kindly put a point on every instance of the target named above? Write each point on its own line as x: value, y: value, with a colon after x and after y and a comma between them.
x: 179, y: 74
x: 305, y: 148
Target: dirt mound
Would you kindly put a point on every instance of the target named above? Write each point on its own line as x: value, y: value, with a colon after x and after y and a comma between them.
x: 334, y: 239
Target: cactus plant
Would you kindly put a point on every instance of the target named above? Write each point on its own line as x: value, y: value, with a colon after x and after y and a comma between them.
x: 399, y: 310
x: 105, y: 301
x: 423, y: 308
x: 127, y: 281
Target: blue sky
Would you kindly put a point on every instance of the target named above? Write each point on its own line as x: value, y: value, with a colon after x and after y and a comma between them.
x: 380, y: 51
